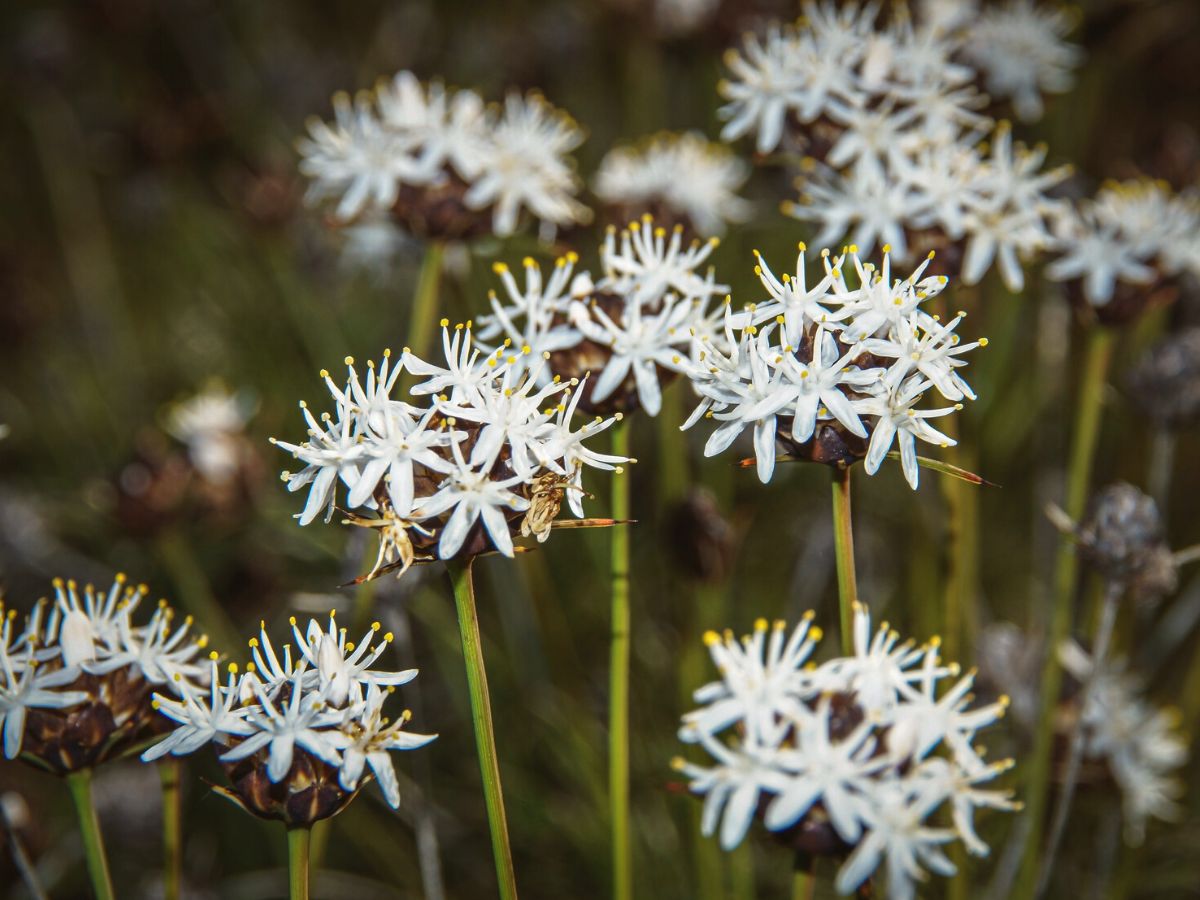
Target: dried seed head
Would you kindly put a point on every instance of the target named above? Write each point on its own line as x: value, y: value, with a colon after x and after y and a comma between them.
x: 1166, y: 381
x: 1122, y: 534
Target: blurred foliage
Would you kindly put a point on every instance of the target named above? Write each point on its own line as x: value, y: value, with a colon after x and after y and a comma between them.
x: 153, y: 238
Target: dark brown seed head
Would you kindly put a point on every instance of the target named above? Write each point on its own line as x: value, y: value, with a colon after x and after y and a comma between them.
x: 1122, y: 533
x: 1166, y: 382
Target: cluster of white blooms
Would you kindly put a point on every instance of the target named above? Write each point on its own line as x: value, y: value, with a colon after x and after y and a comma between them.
x: 1140, y: 744
x: 630, y: 329
x: 849, y: 355
x: 210, y: 425
x: 1020, y: 51
x: 1134, y: 232
x: 485, y: 438
x: 871, y: 747
x: 408, y: 134
x: 85, y: 632
x: 683, y: 176
x: 894, y: 145
x: 324, y: 699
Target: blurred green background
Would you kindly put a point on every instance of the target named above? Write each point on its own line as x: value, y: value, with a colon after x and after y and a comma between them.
x: 153, y: 238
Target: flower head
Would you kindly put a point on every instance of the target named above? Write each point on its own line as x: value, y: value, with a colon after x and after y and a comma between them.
x: 853, y: 757
x: 835, y: 372
x: 76, y: 682
x: 1139, y: 743
x: 451, y: 471
x: 1020, y: 50
x: 441, y: 163
x: 683, y: 178
x: 295, y: 744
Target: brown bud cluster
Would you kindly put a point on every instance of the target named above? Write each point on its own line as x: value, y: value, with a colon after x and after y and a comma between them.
x: 439, y: 212
x: 309, y: 792
x: 116, y: 720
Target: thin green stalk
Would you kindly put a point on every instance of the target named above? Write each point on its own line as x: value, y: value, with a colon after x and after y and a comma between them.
x: 741, y: 872
x: 425, y: 300
x: 1084, y: 439
x: 364, y: 594
x: 843, y: 547
x: 618, y: 675
x: 1162, y: 462
x: 298, y: 844
x: 80, y: 784
x: 481, y: 716
x: 1103, y: 637
x: 962, y: 556
x: 804, y: 885
x: 170, y: 772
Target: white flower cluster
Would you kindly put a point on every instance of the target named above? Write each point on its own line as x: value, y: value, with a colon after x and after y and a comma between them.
x: 1020, y: 51
x: 210, y: 425
x: 854, y: 354
x: 405, y: 133
x: 682, y: 174
x: 636, y: 324
x: 894, y: 141
x: 89, y: 632
x: 484, y: 439
x: 875, y: 741
x: 1141, y: 744
x: 1133, y: 232
x: 325, y: 700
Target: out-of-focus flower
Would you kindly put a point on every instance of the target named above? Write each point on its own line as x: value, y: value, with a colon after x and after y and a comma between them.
x: 296, y: 747
x: 490, y: 449
x: 442, y: 164
x: 75, y: 683
x: 679, y: 178
x: 1118, y: 251
x: 851, y: 758
x: 211, y: 425
x: 1020, y: 50
x: 1140, y: 744
x: 834, y: 372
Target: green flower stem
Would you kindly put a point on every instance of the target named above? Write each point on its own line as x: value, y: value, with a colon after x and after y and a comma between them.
x: 843, y: 546
x: 1084, y: 439
x: 962, y: 555
x: 80, y: 784
x: 804, y: 885
x: 481, y: 716
x: 170, y: 772
x: 298, y: 843
x: 618, y: 675
x: 425, y: 301
x: 1103, y: 637
x: 741, y: 872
